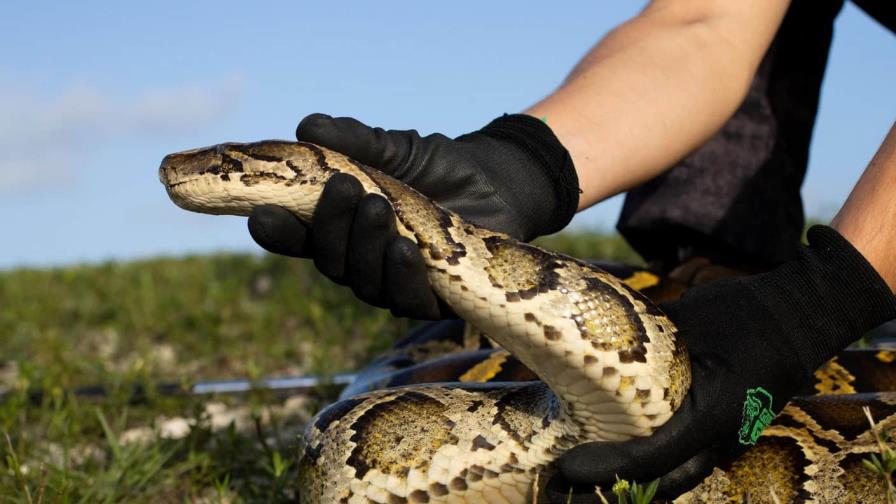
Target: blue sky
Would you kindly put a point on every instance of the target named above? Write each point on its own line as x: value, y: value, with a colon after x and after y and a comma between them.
x: 94, y: 94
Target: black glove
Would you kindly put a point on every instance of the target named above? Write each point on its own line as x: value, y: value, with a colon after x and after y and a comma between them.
x: 512, y: 176
x: 753, y: 342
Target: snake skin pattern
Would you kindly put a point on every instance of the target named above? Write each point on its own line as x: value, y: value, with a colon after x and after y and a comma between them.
x: 608, y: 360
x: 813, y: 452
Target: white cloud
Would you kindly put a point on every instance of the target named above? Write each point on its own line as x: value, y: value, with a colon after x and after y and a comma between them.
x: 46, y: 139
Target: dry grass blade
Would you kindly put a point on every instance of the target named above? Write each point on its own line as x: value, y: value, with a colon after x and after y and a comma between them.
x: 12, y: 460
x: 886, y: 463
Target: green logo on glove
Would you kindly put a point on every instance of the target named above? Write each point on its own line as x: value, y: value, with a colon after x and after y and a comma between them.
x: 757, y: 415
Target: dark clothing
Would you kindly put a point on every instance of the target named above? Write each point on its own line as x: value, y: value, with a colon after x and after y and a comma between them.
x: 736, y: 199
x: 884, y: 11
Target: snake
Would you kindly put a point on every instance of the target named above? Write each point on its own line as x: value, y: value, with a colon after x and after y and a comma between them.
x: 602, y: 362
x: 815, y: 451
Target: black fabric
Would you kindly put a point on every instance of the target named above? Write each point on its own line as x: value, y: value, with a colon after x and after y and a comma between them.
x: 768, y: 331
x: 883, y: 11
x: 545, y: 152
x: 832, y: 295
x: 736, y: 199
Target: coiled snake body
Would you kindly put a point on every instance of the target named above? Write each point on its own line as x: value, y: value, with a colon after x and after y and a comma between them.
x: 608, y: 359
x: 608, y: 363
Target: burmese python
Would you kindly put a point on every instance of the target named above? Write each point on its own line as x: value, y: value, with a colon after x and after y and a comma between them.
x: 607, y: 358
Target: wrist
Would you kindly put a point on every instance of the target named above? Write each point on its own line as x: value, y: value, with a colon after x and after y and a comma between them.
x: 826, y: 298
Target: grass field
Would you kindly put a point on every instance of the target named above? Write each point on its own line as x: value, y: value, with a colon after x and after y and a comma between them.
x: 181, y: 320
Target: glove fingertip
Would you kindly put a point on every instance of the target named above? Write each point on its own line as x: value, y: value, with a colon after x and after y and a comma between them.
x: 580, y: 465
x: 406, y: 281
x: 641, y: 458
x: 404, y: 253
x: 278, y: 231
x: 346, y: 135
x: 312, y: 124
x: 686, y: 476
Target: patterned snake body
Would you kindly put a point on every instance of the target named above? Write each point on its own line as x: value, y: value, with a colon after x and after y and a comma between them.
x: 609, y: 363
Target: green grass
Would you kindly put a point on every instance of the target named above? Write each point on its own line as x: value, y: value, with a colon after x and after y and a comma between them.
x: 182, y: 320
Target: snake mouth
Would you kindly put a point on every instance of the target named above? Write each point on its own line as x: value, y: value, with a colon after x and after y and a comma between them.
x: 173, y: 185
x: 190, y: 165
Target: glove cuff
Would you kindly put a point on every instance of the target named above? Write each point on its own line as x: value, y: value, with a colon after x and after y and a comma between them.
x: 833, y: 297
x: 539, y: 144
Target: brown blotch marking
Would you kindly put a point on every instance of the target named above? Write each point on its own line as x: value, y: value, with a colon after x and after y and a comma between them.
x: 609, y: 371
x: 480, y: 443
x: 522, y: 399
x: 530, y: 317
x: 590, y: 360
x: 325, y: 419
x: 335, y: 413
x: 861, y: 484
x: 438, y: 489
x: 832, y: 378
x: 230, y: 164
x: 455, y: 278
x: 320, y: 157
x: 474, y: 406
x: 310, y: 164
x: 457, y: 484
x: 680, y: 375
x: 227, y: 165
x: 250, y: 179
x: 490, y: 474
x: 475, y: 473
x: 395, y: 499
x: 295, y: 168
x: 750, y: 474
x: 844, y: 416
x: 522, y: 270
x: 551, y: 333
x: 396, y: 435
x: 635, y: 354
x: 528, y: 294
x: 418, y: 497
x: 605, y: 311
x: 642, y: 394
x: 428, y: 222
x: 261, y: 151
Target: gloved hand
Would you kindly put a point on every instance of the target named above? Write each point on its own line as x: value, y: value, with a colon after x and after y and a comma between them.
x: 753, y: 342
x: 512, y: 176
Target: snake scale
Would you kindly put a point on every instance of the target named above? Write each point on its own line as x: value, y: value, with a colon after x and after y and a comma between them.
x: 608, y: 363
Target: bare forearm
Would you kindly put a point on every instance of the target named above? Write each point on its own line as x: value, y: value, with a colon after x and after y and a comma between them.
x: 868, y: 218
x: 656, y: 88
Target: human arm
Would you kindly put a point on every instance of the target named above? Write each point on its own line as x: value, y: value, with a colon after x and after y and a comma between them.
x: 657, y: 87
x: 868, y: 218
